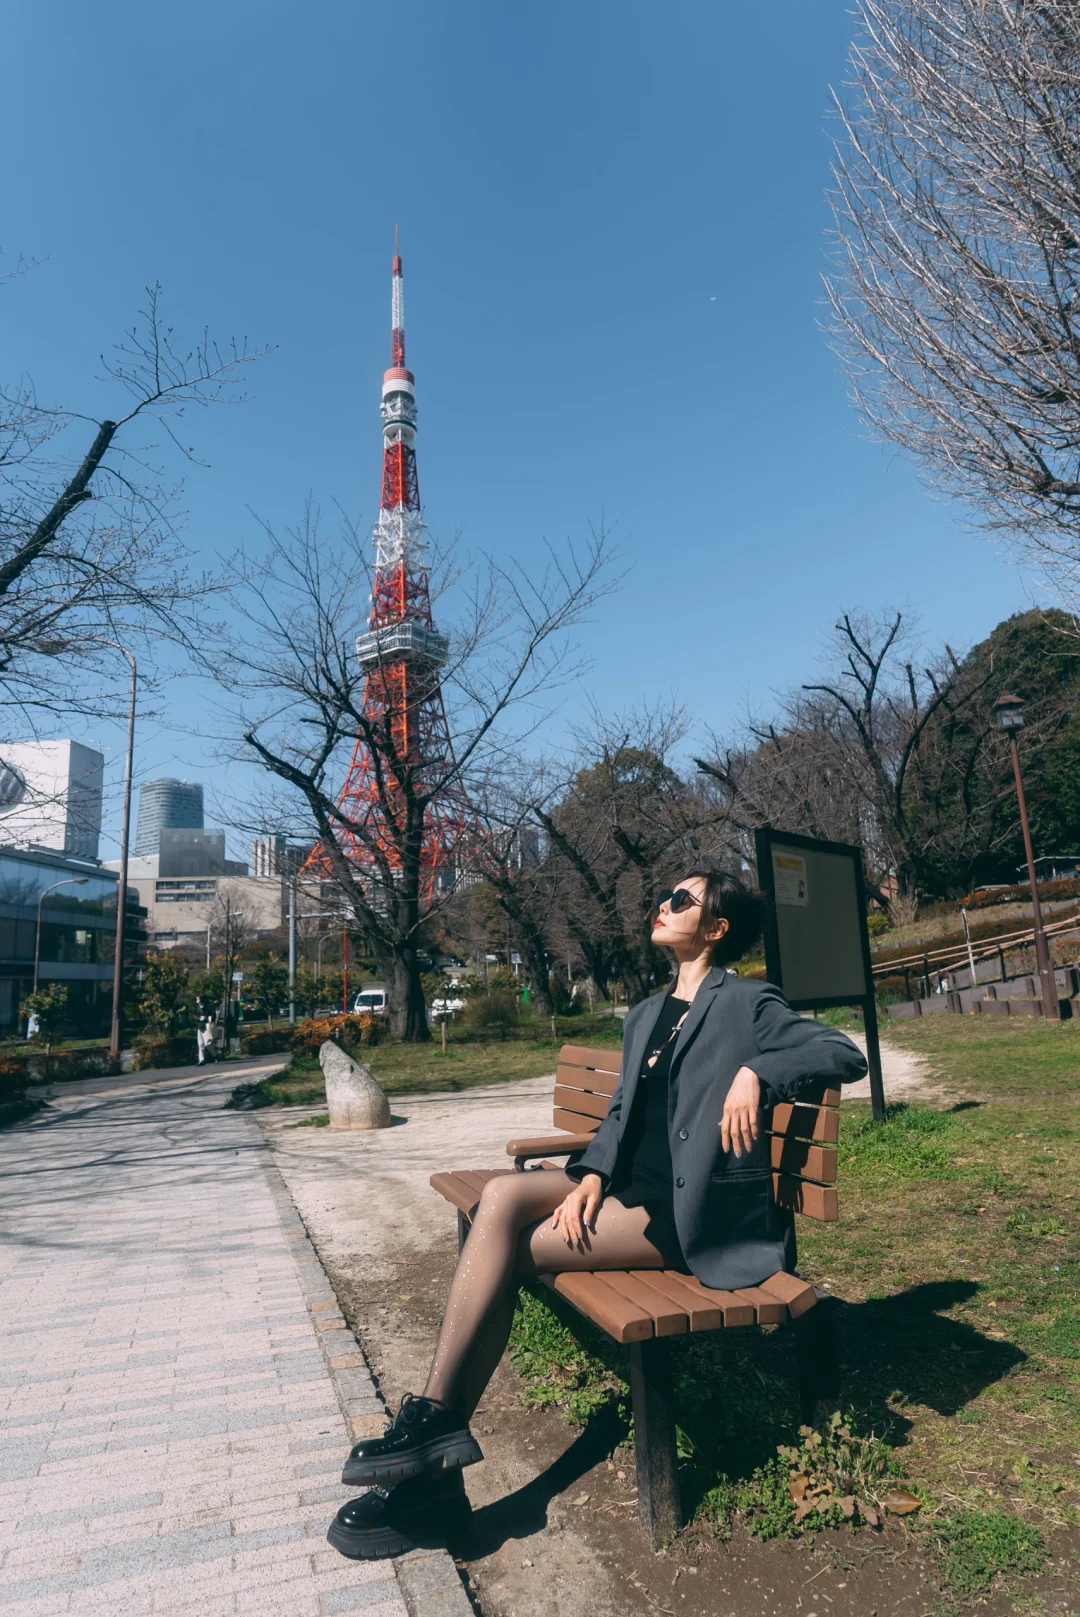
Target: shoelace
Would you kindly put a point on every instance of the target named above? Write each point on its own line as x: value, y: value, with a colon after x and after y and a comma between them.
x: 405, y: 1415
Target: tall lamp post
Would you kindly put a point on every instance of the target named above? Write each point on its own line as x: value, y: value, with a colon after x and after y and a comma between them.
x: 70, y: 881
x: 1009, y: 717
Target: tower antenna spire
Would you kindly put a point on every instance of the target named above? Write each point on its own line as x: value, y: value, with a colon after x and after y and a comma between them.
x: 397, y: 308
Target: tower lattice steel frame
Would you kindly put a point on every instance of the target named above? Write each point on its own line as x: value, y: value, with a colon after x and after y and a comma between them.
x: 402, y: 654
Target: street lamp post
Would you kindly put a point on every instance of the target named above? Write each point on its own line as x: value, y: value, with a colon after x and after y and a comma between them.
x: 1009, y: 717
x: 69, y: 881
x: 292, y: 946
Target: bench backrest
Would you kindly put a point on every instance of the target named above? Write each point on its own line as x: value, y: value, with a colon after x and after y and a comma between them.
x: 803, y: 1134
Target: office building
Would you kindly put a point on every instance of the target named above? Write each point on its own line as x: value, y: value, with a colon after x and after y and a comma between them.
x: 167, y: 805
x: 78, y: 934
x: 274, y: 856
x: 50, y: 797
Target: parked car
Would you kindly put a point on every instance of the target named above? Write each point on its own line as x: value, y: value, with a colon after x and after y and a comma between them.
x: 371, y: 1001
x: 447, y: 1007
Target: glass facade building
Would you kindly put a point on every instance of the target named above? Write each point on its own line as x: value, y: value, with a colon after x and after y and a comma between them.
x: 167, y: 805
x: 78, y: 935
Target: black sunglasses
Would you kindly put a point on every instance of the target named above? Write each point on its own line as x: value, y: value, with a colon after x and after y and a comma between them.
x: 680, y: 898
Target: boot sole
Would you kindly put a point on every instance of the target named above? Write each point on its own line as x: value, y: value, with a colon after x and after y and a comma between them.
x: 380, y: 1543
x: 440, y: 1454
x: 377, y: 1545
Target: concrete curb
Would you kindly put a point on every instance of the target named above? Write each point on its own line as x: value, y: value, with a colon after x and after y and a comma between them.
x: 428, y: 1580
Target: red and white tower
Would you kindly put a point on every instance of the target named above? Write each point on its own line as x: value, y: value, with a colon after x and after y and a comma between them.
x: 402, y: 654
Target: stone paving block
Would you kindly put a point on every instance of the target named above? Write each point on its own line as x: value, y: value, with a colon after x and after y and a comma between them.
x: 373, y: 1598
x: 146, y: 1382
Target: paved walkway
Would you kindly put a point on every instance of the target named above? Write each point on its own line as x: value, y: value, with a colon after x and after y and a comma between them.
x: 171, y: 1429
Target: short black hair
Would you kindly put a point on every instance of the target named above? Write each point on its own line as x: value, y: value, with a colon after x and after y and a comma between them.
x: 728, y: 898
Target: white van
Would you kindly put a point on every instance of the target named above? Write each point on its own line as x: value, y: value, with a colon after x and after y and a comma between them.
x: 370, y: 1002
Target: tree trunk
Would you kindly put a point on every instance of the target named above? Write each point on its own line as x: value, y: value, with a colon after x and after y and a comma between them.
x: 537, y: 975
x: 405, y: 992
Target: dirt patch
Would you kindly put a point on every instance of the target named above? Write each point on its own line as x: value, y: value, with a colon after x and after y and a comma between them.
x: 905, y: 1076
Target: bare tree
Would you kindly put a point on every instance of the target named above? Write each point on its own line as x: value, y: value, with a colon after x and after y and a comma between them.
x: 302, y: 694
x: 626, y: 824
x: 895, y: 753
x: 955, y: 291
x: 513, y: 860
x: 89, y: 530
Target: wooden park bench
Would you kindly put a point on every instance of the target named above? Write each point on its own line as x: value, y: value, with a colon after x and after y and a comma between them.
x: 644, y: 1308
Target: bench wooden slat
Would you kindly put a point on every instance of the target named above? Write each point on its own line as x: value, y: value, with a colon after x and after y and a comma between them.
x: 577, y: 1100
x: 796, y: 1293
x: 620, y: 1318
x: 574, y: 1122
x: 803, y: 1196
x: 703, y: 1316
x: 799, y: 1157
x: 806, y: 1122
x: 593, y: 1083
x: 541, y: 1143
x: 596, y: 1060
x: 669, y: 1319
x: 478, y: 1177
x: 768, y: 1309
x: 819, y: 1095
x: 455, y: 1190
x: 736, y: 1312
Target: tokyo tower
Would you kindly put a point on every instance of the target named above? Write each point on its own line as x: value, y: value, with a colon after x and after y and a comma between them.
x: 403, y: 750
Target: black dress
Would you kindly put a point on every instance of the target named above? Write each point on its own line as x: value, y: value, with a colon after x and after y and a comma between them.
x: 643, y: 1175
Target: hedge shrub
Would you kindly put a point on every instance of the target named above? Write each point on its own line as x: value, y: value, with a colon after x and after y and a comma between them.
x: 183, y: 1051
x: 270, y: 1042
x: 348, y: 1031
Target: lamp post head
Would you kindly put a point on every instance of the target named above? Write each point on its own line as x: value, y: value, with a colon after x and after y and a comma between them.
x: 1009, y: 712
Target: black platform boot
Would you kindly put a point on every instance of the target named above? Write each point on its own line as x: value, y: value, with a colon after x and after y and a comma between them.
x: 425, y: 1436
x: 421, y: 1513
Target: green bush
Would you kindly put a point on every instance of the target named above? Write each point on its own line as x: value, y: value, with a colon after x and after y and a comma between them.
x: 826, y: 1479
x: 492, y: 1016
x: 269, y: 1042
x: 49, y: 1005
x: 165, y: 996
x: 149, y: 1055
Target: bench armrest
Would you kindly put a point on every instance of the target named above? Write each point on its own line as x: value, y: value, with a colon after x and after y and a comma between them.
x: 545, y: 1146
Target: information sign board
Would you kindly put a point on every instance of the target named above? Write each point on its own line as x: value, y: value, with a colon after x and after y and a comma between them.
x: 817, y: 948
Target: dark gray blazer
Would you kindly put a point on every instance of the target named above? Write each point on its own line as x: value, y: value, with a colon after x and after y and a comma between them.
x: 730, y: 1228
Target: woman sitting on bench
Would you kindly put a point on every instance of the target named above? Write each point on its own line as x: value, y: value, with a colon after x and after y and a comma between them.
x: 677, y: 1177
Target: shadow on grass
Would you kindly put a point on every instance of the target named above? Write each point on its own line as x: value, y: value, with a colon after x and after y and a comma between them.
x: 736, y: 1394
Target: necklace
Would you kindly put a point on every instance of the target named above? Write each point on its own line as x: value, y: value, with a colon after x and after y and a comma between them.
x: 657, y: 1053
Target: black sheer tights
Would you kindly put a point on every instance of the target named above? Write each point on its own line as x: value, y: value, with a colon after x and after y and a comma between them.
x: 511, y: 1237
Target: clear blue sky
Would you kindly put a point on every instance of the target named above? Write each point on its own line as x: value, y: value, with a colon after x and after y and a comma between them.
x: 613, y: 228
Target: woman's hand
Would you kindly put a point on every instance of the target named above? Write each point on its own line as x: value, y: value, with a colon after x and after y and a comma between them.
x: 578, y: 1212
x: 741, y: 1122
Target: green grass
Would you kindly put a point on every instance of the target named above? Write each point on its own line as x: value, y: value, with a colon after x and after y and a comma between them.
x: 417, y: 1069
x: 978, y: 1546
x: 957, y: 1254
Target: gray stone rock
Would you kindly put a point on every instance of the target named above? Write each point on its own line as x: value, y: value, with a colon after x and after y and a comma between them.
x: 354, y: 1100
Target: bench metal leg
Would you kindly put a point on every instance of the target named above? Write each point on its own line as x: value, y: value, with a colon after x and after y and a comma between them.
x: 659, y: 1508
x: 463, y: 1228
x: 818, y: 1362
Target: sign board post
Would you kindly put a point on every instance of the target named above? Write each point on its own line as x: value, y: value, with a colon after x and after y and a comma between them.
x: 817, y: 947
